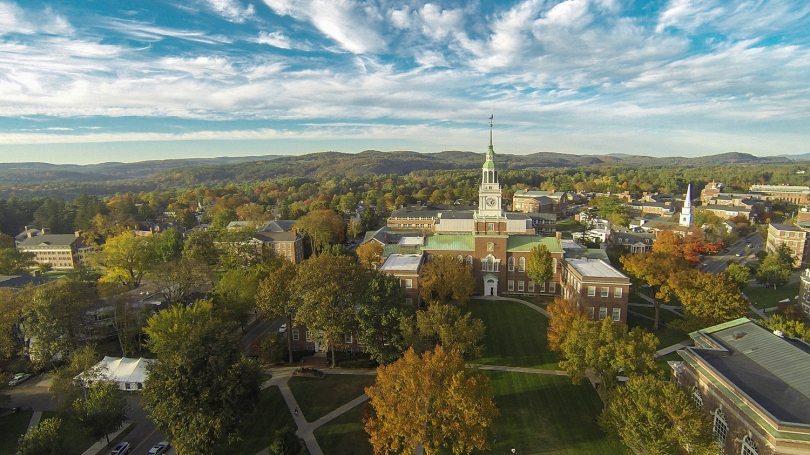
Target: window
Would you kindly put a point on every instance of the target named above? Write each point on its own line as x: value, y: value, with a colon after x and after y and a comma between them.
x: 720, y: 428
x: 617, y: 293
x: 510, y: 264
x: 531, y: 286
x: 749, y: 447
x: 617, y: 314
x: 590, y: 312
x: 522, y: 264
x: 591, y: 291
x: 696, y: 395
x: 541, y: 287
x: 408, y: 283
x: 605, y: 291
x: 520, y: 286
x: 308, y: 338
x: 295, y: 334
x: 510, y: 285
x: 552, y: 287
x: 347, y: 338
x: 408, y: 301
x: 602, y: 313
x: 490, y: 226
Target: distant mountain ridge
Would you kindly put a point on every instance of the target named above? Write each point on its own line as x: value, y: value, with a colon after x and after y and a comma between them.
x: 211, y: 171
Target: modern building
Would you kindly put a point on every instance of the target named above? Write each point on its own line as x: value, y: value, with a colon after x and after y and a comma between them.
x: 794, y: 194
x: 597, y: 287
x: 60, y: 251
x: 792, y: 236
x: 754, y: 383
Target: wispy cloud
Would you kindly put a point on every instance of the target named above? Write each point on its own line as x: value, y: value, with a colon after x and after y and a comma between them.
x: 231, y: 10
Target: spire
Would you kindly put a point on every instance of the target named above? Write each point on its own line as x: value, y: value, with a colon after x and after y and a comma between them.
x: 491, y: 118
x: 688, y: 202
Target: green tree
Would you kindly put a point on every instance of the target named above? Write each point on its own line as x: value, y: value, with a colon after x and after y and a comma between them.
x: 43, y: 439
x: 169, y: 246
x: 540, y: 266
x: 380, y: 315
x: 708, y: 299
x: 128, y: 320
x: 432, y: 402
x: 444, y: 279
x: 444, y: 325
x: 57, y: 318
x: 104, y: 410
x: 12, y: 337
x: 223, y: 217
x: 200, y: 246
x: 654, y: 417
x: 276, y: 297
x: 329, y: 287
x: 201, y: 385
x: 64, y: 388
x: 773, y: 271
x: 322, y: 227
x: 790, y: 327
x: 739, y: 274
x: 125, y: 259
x: 178, y: 279
x: 286, y: 442
x: 15, y: 262
x: 607, y: 348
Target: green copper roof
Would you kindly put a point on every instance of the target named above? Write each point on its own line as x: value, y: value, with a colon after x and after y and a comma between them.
x: 453, y: 242
x: 488, y: 165
x: 525, y: 243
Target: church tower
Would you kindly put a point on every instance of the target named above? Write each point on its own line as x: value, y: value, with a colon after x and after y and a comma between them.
x: 686, y: 212
x: 489, y: 191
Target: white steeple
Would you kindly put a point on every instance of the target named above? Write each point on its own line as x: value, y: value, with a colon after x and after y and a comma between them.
x: 489, y: 191
x: 686, y: 212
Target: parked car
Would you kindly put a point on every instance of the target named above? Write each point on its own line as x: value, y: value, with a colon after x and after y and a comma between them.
x: 283, y: 328
x: 122, y: 448
x: 19, y: 378
x: 159, y: 449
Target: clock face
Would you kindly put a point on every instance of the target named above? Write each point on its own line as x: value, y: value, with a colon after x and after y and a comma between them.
x: 491, y: 201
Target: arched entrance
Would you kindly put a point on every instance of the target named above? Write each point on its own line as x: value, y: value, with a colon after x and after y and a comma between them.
x: 490, y: 284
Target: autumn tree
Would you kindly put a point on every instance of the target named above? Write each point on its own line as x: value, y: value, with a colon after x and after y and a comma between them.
x: 103, y: 411
x: 708, y: 299
x: 128, y: 320
x: 380, y: 315
x: 12, y: 337
x: 740, y: 274
x: 201, y: 385
x: 125, y: 259
x: 540, y: 266
x: 562, y: 315
x: 57, y: 318
x: 793, y: 328
x: 446, y: 279
x: 370, y: 254
x: 329, y: 288
x: 179, y: 278
x: 654, y: 269
x: 276, y: 297
x: 238, y: 248
x: 429, y: 401
x: 15, y: 262
x: 444, y: 325
x: 607, y: 348
x: 64, y: 389
x: 322, y: 227
x: 43, y: 439
x: 656, y: 417
x: 774, y: 271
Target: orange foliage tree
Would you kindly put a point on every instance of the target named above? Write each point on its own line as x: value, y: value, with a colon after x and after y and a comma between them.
x: 429, y: 401
x: 563, y: 312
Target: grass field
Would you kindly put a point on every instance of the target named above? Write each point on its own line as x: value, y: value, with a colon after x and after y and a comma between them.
x: 664, y: 315
x: 317, y: 397
x: 343, y: 435
x: 76, y: 440
x: 765, y: 297
x: 547, y: 414
x: 515, y: 335
x: 12, y: 426
x: 259, y: 428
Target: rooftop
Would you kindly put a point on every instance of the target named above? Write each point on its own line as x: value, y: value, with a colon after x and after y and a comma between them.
x: 785, y: 227
x: 49, y: 240
x: 402, y: 263
x: 525, y: 242
x: 594, y: 268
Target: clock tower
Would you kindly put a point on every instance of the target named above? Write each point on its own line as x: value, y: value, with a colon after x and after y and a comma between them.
x: 489, y: 192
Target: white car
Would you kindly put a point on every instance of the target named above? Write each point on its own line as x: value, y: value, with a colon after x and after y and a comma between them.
x: 159, y: 448
x: 19, y: 378
x: 283, y: 328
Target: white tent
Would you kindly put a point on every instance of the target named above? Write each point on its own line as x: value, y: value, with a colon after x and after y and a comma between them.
x: 128, y: 374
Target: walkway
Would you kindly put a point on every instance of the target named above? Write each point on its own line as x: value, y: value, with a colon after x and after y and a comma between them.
x: 306, y: 429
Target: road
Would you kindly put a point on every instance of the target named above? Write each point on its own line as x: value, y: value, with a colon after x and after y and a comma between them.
x: 719, y: 262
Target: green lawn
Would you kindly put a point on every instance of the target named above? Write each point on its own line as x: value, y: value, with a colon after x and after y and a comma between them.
x: 667, y: 337
x: 259, y: 428
x: 12, y: 427
x: 345, y: 434
x: 317, y: 397
x: 515, y: 335
x: 664, y: 315
x: 765, y: 297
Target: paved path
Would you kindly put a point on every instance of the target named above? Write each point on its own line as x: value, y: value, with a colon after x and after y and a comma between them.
x: 512, y: 299
x: 671, y: 349
x: 35, y: 417
x: 516, y: 369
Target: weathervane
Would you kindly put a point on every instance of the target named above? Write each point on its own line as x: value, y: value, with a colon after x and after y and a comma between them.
x: 491, y: 118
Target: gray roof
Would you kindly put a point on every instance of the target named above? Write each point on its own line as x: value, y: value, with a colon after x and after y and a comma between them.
x: 402, y: 263
x: 277, y: 226
x: 594, y: 268
x: 288, y: 236
x: 785, y: 227
x: 772, y: 370
x: 49, y: 239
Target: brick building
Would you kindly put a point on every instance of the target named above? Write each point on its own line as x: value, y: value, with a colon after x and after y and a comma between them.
x: 755, y: 385
x: 792, y: 236
x: 60, y: 251
x: 597, y: 287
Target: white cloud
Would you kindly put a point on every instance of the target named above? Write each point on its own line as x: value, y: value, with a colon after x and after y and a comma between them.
x: 438, y: 23
x: 400, y: 18
x: 14, y: 19
x: 275, y: 39
x: 689, y: 14
x: 352, y: 25
x: 148, y: 32
x: 231, y: 10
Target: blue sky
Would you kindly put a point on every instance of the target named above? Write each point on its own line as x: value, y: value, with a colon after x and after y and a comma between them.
x: 86, y: 81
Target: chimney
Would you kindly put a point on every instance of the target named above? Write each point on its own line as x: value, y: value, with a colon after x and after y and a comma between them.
x: 78, y: 233
x: 29, y: 234
x: 558, y: 234
x: 46, y: 230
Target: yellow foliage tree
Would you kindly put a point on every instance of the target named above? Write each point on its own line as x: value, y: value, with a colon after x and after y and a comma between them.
x: 445, y: 278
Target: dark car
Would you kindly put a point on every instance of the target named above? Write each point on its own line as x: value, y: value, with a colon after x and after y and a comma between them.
x: 122, y: 448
